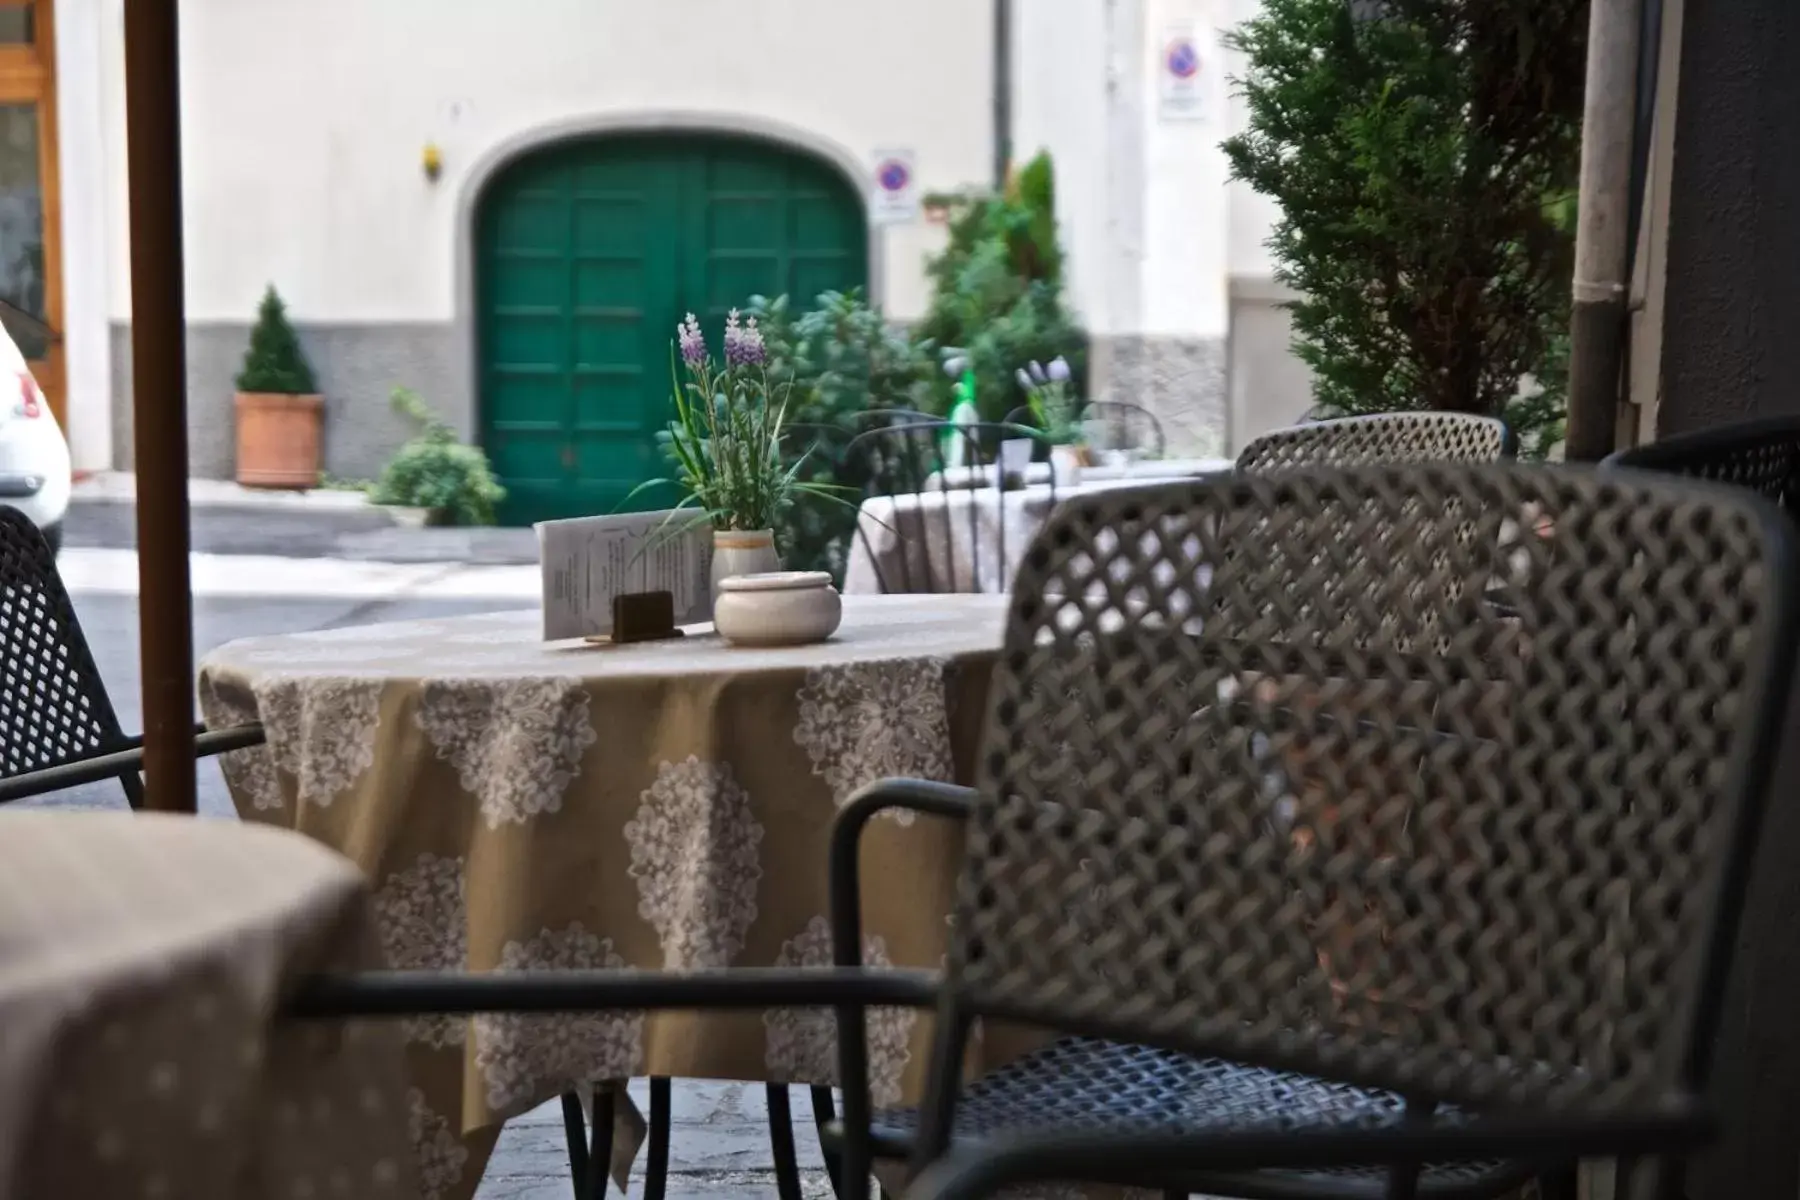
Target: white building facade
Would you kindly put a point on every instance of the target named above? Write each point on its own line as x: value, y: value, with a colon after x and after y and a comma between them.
x: 592, y: 148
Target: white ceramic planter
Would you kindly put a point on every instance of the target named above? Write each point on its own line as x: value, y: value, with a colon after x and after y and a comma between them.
x: 779, y: 609
x: 740, y: 553
x: 409, y: 518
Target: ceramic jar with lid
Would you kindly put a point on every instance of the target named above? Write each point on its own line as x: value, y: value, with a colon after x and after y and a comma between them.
x: 784, y: 608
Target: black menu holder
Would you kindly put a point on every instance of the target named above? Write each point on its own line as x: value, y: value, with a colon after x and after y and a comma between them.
x: 644, y: 617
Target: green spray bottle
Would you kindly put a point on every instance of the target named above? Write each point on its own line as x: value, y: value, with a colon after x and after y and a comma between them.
x: 963, y: 413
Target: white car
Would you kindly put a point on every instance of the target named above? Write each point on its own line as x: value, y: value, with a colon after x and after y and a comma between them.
x: 34, y: 457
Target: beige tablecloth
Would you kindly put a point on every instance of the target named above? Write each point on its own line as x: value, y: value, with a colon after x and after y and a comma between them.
x: 141, y: 962
x: 522, y: 804
x: 972, y: 539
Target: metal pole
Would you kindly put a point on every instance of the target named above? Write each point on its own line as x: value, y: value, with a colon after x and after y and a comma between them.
x: 159, y: 391
x: 1602, y: 229
x: 1002, y: 92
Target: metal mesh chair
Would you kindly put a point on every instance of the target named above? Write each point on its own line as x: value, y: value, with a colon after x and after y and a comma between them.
x: 1763, y: 456
x: 931, y: 507
x: 1384, y: 438
x: 1401, y: 854
x: 1390, y: 880
x: 58, y: 728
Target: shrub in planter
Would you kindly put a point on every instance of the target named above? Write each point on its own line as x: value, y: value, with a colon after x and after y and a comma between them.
x: 435, y: 472
x: 997, y: 293
x: 279, y: 411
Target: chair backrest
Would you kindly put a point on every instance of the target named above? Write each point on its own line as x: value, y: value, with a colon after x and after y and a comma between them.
x: 1400, y: 437
x: 53, y: 704
x: 929, y: 525
x: 1763, y: 456
x: 1220, y: 816
x: 1128, y: 426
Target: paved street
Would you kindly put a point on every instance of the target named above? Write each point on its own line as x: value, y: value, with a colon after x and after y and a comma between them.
x: 720, y: 1143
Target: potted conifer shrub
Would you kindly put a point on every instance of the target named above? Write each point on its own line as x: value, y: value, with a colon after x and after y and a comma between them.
x: 280, y: 414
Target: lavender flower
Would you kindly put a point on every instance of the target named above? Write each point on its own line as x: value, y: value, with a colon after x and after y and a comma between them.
x: 1037, y: 373
x: 750, y: 346
x: 692, y: 342
x: 1059, y: 370
x: 1024, y: 378
x: 955, y: 365
x: 743, y: 343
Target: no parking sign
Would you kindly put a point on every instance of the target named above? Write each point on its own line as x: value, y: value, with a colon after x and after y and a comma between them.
x: 894, y: 194
x: 1179, y: 74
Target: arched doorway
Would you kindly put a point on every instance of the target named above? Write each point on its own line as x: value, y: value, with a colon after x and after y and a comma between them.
x: 588, y: 252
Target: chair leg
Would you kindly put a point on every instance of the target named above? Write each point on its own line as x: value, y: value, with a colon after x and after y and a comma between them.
x: 825, y: 1112
x: 600, y: 1134
x: 781, y: 1142
x: 575, y: 1131
x: 656, y: 1163
x: 1563, y: 1183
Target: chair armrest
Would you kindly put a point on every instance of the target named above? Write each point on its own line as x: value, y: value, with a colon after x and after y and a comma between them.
x: 915, y: 795
x: 1156, y: 1160
x: 126, y: 760
x: 407, y: 993
x: 208, y: 742
x: 75, y: 773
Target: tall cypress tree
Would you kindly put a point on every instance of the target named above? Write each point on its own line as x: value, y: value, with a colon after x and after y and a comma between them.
x: 1425, y: 155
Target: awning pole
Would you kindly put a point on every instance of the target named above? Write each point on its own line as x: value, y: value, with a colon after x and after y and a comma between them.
x: 159, y: 400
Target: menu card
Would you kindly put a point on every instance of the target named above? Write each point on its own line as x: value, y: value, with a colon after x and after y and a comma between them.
x: 588, y: 561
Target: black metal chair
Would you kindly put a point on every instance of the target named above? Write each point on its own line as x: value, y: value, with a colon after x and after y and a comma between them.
x: 1380, y: 896
x: 1383, y: 438
x: 1129, y: 426
x: 1762, y: 455
x: 933, y: 504
x: 58, y: 728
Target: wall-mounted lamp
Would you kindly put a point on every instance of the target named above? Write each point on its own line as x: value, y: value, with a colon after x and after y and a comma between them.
x: 432, y: 159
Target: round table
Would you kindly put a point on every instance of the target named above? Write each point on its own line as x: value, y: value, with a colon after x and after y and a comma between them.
x: 527, y: 804
x: 142, y: 959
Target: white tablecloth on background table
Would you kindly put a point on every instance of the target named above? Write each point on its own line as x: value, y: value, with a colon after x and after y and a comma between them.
x: 967, y: 539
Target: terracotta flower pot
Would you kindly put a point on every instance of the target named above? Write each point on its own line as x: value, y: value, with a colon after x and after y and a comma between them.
x: 278, y: 439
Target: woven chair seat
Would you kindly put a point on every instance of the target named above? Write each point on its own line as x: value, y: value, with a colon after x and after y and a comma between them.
x: 1085, y: 1085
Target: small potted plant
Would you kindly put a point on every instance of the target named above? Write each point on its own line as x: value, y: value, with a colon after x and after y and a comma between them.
x: 434, y: 479
x: 280, y: 414
x: 726, y: 445
x: 1057, y: 412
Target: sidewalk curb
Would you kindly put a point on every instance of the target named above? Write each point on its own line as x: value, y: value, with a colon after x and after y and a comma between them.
x: 120, y: 487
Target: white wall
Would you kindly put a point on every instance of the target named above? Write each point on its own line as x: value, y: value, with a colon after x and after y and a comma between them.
x: 304, y: 121
x: 1060, y: 105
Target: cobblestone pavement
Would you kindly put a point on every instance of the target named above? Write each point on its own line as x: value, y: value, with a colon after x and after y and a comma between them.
x: 718, y: 1147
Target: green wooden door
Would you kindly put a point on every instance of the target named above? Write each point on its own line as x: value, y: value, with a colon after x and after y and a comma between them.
x: 589, y: 253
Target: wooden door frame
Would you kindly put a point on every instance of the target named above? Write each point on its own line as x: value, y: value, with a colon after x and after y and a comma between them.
x: 28, y: 75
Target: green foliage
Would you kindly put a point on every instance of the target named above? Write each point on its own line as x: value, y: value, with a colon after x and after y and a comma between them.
x: 274, y: 362
x: 1425, y: 162
x: 727, y: 440
x: 435, y: 471
x: 997, y: 292
x: 841, y: 360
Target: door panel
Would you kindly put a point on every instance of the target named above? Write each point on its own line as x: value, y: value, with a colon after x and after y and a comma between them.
x: 590, y: 253
x: 30, y: 202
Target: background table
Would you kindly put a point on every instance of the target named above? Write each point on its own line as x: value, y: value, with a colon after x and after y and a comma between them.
x: 975, y: 536
x: 142, y: 959
x: 524, y: 804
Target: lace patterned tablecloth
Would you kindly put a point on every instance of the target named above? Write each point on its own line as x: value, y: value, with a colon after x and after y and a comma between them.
x: 521, y: 804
